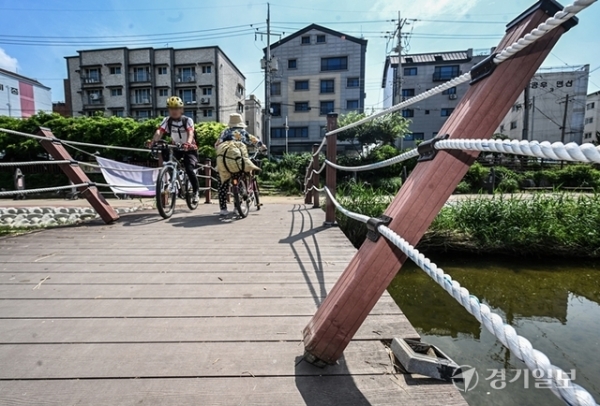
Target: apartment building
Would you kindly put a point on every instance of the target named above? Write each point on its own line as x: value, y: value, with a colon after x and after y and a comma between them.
x: 136, y: 83
x: 591, y: 130
x: 253, y: 115
x: 315, y: 71
x: 417, y: 73
x: 554, y: 96
x: 21, y: 96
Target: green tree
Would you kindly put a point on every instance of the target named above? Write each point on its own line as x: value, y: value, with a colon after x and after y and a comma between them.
x: 208, y: 134
x: 381, y: 130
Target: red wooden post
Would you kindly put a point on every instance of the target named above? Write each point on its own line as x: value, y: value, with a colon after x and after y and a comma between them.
x: 315, y: 177
x: 77, y: 176
x: 332, y: 124
x: 426, y: 191
x: 207, y: 180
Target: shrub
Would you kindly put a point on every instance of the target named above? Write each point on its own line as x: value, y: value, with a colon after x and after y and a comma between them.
x: 389, y: 185
x: 463, y: 188
x: 476, y: 176
x: 508, y: 186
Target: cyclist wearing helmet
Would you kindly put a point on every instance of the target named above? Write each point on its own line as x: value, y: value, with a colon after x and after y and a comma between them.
x: 181, y: 130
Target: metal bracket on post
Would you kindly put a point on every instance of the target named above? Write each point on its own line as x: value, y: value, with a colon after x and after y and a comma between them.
x: 483, y: 69
x: 311, y: 359
x: 373, y: 223
x: 427, y: 149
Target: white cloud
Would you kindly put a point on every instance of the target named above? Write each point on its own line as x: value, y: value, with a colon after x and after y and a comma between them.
x: 8, y: 62
x: 424, y: 9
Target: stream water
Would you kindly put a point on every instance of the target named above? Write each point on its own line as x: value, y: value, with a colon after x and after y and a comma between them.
x: 555, y: 305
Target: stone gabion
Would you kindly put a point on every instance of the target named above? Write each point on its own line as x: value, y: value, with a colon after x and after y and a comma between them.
x: 36, y: 217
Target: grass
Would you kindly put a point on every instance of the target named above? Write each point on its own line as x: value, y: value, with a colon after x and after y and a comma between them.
x: 556, y: 224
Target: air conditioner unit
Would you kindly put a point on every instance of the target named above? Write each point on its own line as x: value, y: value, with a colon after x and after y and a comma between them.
x: 205, y: 100
x: 452, y: 97
x: 146, y: 101
x: 94, y: 96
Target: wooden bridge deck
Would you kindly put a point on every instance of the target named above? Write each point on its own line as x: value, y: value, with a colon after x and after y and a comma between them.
x: 122, y: 318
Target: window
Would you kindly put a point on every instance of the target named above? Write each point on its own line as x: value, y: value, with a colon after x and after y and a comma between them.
x: 186, y: 74
x: 190, y: 113
x: 207, y: 113
x: 513, y: 125
x: 207, y: 91
x: 115, y: 70
x: 338, y: 63
x: 351, y: 104
x: 408, y: 113
x: 352, y: 82
x: 321, y: 39
x: 1, y: 87
x: 587, y: 136
x: 591, y: 106
x: 301, y: 85
x: 240, y: 90
x: 452, y: 90
x: 207, y: 69
x: 142, y: 114
x: 301, y: 106
x: 118, y: 113
x: 326, y: 108
x: 426, y: 111
x: 305, y: 40
x: 276, y: 109
x: 446, y: 72
x: 141, y: 96
x: 502, y: 128
x: 163, y: 113
x: 163, y: 92
x: 446, y: 112
x: 240, y: 108
x: 140, y: 75
x: 94, y: 96
x: 418, y: 136
x: 298, y: 132
x: 292, y: 63
x: 116, y: 92
x: 278, y: 132
x: 589, y: 120
x: 276, y: 89
x: 92, y: 75
x: 328, y: 86
x: 162, y: 70
x: 406, y: 93
x: 410, y: 71
x: 188, y: 96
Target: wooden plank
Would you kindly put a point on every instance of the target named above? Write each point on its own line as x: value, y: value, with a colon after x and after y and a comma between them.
x: 123, y: 361
x: 77, y: 258
x: 241, y: 307
x: 359, y: 390
x: 423, y: 195
x: 220, y: 329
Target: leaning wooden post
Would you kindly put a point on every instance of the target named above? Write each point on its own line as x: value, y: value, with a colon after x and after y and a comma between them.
x: 207, y: 180
x: 332, y: 124
x: 427, y: 189
x: 315, y: 176
x: 77, y: 176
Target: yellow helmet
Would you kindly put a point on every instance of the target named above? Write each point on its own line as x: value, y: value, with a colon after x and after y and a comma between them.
x: 174, y: 102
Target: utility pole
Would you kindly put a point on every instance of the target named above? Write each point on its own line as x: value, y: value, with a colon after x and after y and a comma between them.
x: 563, y: 129
x: 287, y: 128
x: 525, y: 135
x: 532, y: 116
x: 399, y: 72
x: 267, y: 126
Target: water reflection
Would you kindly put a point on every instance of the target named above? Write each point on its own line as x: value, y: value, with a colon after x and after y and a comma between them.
x: 556, y: 306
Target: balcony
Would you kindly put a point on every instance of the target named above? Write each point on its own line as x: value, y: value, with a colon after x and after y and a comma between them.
x: 140, y: 77
x: 141, y: 100
x: 93, y: 102
x: 186, y: 78
x: 446, y: 75
x: 91, y: 80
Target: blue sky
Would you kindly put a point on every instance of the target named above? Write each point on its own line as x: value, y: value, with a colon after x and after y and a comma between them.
x: 443, y: 25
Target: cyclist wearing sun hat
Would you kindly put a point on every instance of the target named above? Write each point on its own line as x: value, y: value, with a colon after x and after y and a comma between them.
x: 181, y: 130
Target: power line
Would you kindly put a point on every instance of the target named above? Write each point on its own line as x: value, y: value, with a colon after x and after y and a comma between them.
x: 124, y: 9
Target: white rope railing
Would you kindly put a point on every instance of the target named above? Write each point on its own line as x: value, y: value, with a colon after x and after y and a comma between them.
x: 544, y: 28
x: 40, y: 190
x: 413, y: 153
x: 561, y: 384
x: 31, y: 163
x: 587, y: 153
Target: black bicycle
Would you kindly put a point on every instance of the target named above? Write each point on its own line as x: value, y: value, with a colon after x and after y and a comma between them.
x: 245, y: 192
x: 172, y: 181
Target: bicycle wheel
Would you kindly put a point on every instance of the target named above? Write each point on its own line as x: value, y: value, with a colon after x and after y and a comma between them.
x: 240, y: 198
x: 189, y: 195
x: 256, y: 194
x: 165, y: 192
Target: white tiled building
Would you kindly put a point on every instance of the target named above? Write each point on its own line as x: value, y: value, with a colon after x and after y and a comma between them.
x: 591, y: 131
x: 21, y: 96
